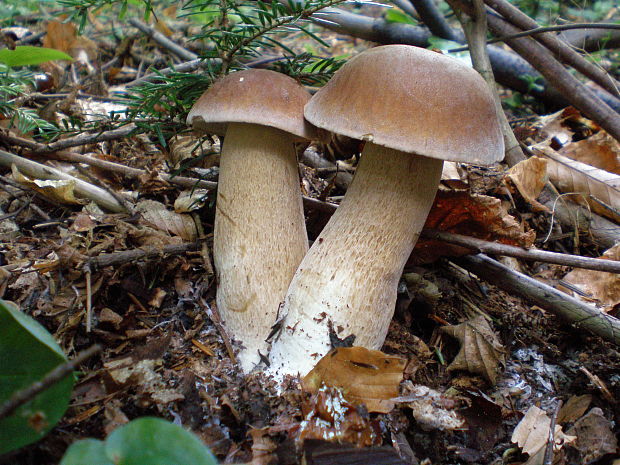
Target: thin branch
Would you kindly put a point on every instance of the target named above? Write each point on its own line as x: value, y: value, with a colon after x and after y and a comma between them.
x: 532, y: 255
x: 579, y: 314
x: 563, y: 51
x: 21, y: 397
x: 434, y: 20
x: 558, y: 27
x: 80, y: 139
x: 126, y: 256
x: 163, y: 40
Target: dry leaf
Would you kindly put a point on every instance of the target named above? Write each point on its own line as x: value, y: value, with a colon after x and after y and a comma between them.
x: 366, y: 376
x: 263, y: 447
x: 328, y: 416
x: 598, y: 285
x: 599, y: 188
x: 574, y: 408
x: 600, y: 150
x: 529, y: 177
x: 479, y: 216
x: 595, y: 436
x: 58, y: 190
x: 163, y: 219
x: 481, y: 352
x: 532, y: 434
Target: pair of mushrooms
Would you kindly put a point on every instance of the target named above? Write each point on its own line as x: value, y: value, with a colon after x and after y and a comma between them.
x: 414, y: 108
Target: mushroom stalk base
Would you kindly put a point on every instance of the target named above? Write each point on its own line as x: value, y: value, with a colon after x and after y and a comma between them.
x: 349, y: 277
x: 259, y: 232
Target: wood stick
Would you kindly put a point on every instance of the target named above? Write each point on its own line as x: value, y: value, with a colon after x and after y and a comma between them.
x: 579, y: 314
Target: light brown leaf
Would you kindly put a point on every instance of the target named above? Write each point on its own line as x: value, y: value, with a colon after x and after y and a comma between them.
x: 481, y: 352
x: 532, y: 433
x: 529, y: 177
x: 574, y: 408
x: 598, y: 285
x: 57, y: 190
x: 366, y: 376
x: 599, y: 150
x: 599, y: 188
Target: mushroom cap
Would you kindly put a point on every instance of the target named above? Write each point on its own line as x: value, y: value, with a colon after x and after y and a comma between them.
x: 256, y: 96
x: 413, y: 100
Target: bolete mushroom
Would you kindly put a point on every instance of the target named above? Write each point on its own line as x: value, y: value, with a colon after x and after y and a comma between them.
x: 414, y: 108
x: 259, y: 232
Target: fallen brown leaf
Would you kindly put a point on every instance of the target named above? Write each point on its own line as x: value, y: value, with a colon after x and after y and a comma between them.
x: 366, y: 376
x: 481, y: 352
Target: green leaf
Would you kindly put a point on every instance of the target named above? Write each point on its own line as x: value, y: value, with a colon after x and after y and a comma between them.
x: 154, y: 441
x: 27, y: 55
x: 27, y: 353
x: 87, y: 451
x: 397, y: 16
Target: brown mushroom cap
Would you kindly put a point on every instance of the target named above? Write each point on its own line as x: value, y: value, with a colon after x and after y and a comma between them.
x: 256, y: 96
x: 413, y: 100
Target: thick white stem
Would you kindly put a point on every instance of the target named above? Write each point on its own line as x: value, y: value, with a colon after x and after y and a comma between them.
x: 259, y: 233
x: 350, y: 274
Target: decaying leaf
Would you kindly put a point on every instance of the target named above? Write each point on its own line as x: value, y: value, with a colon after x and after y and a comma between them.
x: 595, y: 437
x: 366, y: 376
x: 598, y: 285
x: 263, y: 447
x: 481, y: 351
x: 317, y: 452
x: 529, y: 177
x: 473, y: 215
x: 532, y: 434
x: 57, y: 190
x: 328, y: 416
x: 163, y: 219
x: 599, y: 188
x: 431, y: 409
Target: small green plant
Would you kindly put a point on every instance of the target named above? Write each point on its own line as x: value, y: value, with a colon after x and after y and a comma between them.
x: 151, y: 441
x: 27, y: 353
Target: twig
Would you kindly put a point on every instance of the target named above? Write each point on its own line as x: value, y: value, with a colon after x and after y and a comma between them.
x: 126, y: 256
x: 21, y: 397
x: 186, y: 67
x: 548, y: 457
x: 564, y: 52
x: 577, y: 313
x: 131, y: 172
x: 82, y: 188
x: 557, y: 27
x: 433, y: 19
x: 478, y: 245
x: 163, y: 40
x: 214, y: 315
x: 475, y: 28
x: 80, y: 139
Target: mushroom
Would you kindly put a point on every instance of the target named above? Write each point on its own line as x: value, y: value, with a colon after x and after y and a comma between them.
x: 414, y: 108
x: 259, y: 232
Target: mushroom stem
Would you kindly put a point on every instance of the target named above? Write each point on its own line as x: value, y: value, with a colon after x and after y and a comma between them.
x: 350, y: 274
x: 259, y: 233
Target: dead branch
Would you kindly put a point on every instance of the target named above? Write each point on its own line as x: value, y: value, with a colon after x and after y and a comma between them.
x: 126, y: 256
x: 532, y: 255
x: 434, y: 20
x: 561, y: 50
x: 574, y: 311
x: 591, y: 40
x: 80, y: 139
x: 21, y: 397
x: 162, y: 40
